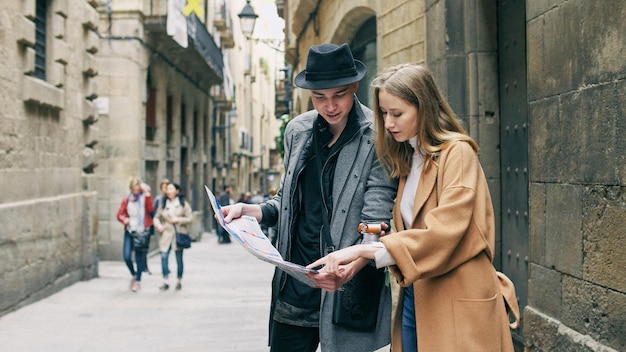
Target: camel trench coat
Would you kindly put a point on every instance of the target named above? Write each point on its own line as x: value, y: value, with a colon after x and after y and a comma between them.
x: 447, y: 256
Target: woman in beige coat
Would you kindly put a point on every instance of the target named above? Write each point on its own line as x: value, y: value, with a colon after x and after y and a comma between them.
x: 442, y: 251
x: 173, y: 216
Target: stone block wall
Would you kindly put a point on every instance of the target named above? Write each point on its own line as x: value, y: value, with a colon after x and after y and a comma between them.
x: 48, y: 151
x: 577, y: 89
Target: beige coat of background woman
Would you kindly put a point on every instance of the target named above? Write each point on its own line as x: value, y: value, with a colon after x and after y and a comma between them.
x: 185, y: 215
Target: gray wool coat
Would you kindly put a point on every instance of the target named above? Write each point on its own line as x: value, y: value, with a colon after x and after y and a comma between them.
x: 362, y: 192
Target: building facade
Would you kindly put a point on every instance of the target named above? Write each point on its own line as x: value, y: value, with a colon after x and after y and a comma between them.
x: 161, y: 74
x: 540, y: 86
x: 256, y: 62
x: 48, y: 148
x: 98, y: 92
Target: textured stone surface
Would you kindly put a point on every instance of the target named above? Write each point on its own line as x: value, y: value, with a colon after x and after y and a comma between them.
x: 563, y: 240
x: 604, y: 236
x: 594, y: 311
x: 545, y: 334
x: 48, y: 211
x: 544, y: 290
x: 576, y: 72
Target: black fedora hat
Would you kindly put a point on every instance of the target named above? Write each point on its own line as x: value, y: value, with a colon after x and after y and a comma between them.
x: 330, y: 66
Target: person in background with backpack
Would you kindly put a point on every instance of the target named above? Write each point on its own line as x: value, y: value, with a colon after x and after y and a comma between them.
x: 174, y: 216
x: 135, y: 213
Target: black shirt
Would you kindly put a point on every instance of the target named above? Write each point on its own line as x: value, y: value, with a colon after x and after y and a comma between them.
x: 306, y: 244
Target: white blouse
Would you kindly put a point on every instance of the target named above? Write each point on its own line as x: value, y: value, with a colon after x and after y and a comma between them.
x: 382, y: 256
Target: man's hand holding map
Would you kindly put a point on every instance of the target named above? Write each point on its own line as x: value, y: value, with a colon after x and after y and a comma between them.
x: 248, y: 233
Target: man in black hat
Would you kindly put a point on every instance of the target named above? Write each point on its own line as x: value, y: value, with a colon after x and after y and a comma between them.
x: 331, y: 171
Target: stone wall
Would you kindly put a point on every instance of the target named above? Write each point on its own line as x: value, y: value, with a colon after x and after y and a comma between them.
x: 576, y: 71
x: 122, y: 81
x: 48, y: 152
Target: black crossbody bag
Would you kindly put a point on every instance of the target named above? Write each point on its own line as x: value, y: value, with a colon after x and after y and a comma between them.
x: 355, y: 307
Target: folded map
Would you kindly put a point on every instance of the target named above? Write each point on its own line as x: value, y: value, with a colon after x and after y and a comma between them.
x: 247, y: 232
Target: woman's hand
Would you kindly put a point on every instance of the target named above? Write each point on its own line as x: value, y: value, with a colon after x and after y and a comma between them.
x: 333, y: 261
x: 145, y: 189
x: 159, y: 228
x: 332, y: 282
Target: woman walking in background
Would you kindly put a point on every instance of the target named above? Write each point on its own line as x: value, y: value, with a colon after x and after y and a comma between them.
x: 135, y: 213
x: 173, y: 216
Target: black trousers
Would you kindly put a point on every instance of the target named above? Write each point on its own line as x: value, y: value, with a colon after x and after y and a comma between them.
x: 291, y: 338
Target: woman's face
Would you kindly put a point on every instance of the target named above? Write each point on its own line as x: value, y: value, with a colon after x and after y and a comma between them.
x: 136, y: 189
x: 164, y: 188
x: 172, y: 192
x: 399, y: 116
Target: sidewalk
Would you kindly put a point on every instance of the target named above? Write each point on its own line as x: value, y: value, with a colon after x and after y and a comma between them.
x: 223, y: 306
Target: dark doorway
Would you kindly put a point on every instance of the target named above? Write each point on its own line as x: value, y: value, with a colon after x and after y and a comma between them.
x: 514, y: 146
x: 363, y: 47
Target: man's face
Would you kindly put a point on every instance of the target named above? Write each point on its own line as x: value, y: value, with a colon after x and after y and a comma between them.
x: 334, y: 104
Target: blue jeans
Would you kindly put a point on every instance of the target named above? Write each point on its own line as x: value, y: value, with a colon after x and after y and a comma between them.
x: 140, y: 257
x: 165, y: 262
x: 409, y: 334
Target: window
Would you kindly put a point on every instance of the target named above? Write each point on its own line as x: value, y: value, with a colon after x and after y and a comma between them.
x: 151, y: 115
x: 169, y: 121
x: 183, y: 119
x: 41, y: 14
x: 195, y: 130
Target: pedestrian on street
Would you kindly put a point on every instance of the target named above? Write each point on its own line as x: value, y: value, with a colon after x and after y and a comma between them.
x: 174, y: 216
x: 332, y: 175
x: 156, y: 204
x: 442, y: 251
x: 158, y: 200
x: 135, y: 212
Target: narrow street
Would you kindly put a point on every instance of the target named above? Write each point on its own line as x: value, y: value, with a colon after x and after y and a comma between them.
x: 223, y: 306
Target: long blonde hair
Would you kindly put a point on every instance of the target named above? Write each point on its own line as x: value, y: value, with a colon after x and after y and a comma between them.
x: 437, y: 124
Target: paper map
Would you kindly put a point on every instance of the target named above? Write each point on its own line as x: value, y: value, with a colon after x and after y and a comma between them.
x: 247, y: 232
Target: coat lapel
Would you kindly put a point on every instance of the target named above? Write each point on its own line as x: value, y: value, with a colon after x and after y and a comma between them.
x: 424, y: 189
x: 426, y: 185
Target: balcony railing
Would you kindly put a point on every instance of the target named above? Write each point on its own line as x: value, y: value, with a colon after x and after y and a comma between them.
x: 205, y: 45
x: 206, y: 53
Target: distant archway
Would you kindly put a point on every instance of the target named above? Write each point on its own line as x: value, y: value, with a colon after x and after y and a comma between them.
x: 364, y: 48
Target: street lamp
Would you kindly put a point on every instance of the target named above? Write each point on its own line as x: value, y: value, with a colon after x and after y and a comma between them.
x: 247, y: 18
